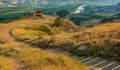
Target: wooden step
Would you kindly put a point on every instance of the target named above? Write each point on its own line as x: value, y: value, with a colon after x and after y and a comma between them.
x: 103, y: 64
x: 111, y: 66
x: 86, y: 59
x: 94, y: 59
x: 98, y: 63
x: 94, y: 62
x: 81, y: 58
x: 116, y: 68
x: 107, y: 65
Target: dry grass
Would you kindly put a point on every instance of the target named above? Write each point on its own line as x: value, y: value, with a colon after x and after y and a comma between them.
x: 33, y: 58
x: 28, y: 35
x: 105, y: 38
x: 28, y: 57
x: 5, y: 64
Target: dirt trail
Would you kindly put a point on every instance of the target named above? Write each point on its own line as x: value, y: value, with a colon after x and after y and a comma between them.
x: 16, y: 64
x: 5, y: 33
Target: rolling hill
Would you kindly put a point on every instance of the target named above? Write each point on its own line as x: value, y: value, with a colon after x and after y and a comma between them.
x: 16, y: 55
x: 102, y: 40
x: 112, y: 9
x: 27, y: 43
x: 30, y: 40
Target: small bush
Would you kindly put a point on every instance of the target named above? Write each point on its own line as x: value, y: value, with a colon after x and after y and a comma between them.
x: 44, y: 29
x: 58, y: 22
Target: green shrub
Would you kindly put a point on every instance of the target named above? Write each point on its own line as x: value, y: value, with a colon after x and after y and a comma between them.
x: 44, y: 29
x: 58, y: 21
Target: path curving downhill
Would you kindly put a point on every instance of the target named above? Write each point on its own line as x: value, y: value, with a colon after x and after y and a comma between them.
x: 94, y: 63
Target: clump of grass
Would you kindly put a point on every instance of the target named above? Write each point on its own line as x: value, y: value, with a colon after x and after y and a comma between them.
x: 43, y: 29
x: 58, y: 22
x: 8, y: 51
x: 27, y: 35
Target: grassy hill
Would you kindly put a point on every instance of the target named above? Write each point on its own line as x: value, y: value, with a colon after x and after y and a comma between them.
x: 15, y: 55
x: 102, y: 40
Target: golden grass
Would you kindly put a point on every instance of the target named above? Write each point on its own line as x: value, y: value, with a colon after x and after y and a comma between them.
x: 5, y: 64
x: 100, y: 35
x: 104, y: 37
x: 28, y: 57
x: 28, y: 35
x: 37, y: 59
x: 41, y: 60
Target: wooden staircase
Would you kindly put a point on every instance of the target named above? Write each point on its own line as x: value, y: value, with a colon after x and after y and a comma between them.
x: 98, y: 63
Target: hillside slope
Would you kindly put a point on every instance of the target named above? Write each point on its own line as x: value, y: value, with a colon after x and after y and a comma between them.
x: 15, y: 55
x: 102, y: 40
x: 112, y: 9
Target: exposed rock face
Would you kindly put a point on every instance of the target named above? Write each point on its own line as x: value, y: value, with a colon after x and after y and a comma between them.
x: 83, y: 47
x: 102, y: 52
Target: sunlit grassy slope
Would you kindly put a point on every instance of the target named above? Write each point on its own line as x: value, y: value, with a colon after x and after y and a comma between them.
x: 16, y: 55
x: 38, y: 59
x: 102, y: 40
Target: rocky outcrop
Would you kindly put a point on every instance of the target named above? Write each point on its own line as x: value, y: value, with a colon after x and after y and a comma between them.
x: 83, y: 47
